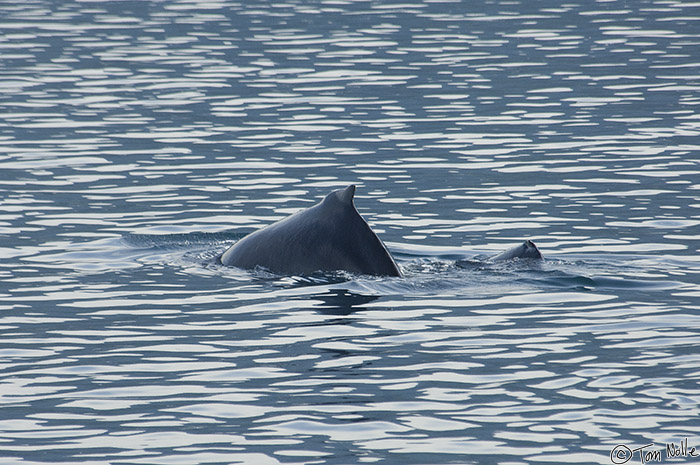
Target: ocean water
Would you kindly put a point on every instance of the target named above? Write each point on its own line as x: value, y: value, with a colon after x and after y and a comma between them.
x: 140, y: 139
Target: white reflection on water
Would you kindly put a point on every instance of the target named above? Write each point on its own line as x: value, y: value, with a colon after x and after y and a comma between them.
x: 138, y: 140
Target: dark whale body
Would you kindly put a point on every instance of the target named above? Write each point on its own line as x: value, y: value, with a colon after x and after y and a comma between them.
x: 329, y: 236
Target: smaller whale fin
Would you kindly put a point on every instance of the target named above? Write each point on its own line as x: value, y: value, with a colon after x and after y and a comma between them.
x: 526, y: 250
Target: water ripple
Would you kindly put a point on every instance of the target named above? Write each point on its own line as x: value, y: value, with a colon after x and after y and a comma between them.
x: 140, y: 140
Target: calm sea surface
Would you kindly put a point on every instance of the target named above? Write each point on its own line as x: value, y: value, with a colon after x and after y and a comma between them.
x: 140, y: 139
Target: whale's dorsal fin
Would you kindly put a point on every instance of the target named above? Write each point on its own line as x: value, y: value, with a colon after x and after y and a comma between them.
x: 346, y: 195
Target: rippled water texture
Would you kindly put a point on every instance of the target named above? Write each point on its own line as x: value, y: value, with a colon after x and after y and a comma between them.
x: 138, y: 140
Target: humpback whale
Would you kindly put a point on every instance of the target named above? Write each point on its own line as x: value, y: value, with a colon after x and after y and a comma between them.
x: 330, y: 236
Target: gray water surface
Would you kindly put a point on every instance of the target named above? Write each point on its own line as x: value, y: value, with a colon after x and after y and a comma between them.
x: 138, y: 140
